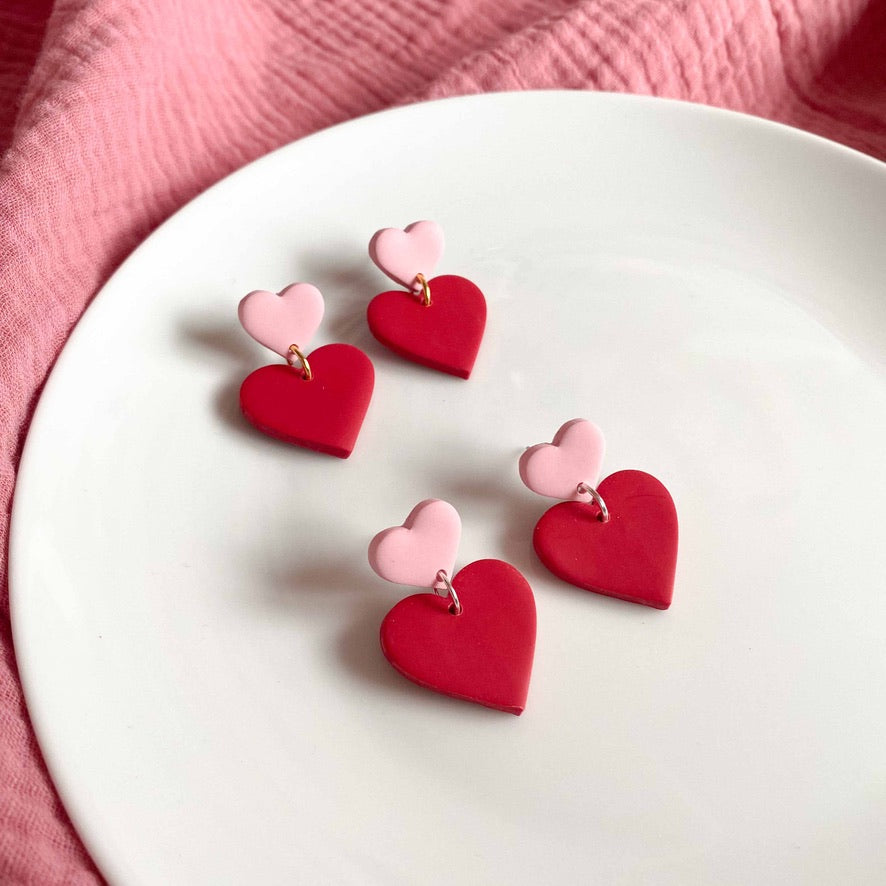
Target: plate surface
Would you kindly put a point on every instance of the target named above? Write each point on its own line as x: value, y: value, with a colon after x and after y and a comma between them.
x: 195, y: 621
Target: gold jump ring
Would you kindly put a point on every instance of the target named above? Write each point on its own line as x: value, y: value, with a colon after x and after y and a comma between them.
x: 425, y: 290
x: 296, y: 352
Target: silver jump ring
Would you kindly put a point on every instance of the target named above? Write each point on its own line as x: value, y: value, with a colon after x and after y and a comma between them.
x: 450, y: 591
x: 583, y: 488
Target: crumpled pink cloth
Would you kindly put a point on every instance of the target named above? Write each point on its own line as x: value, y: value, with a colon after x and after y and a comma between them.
x: 113, y: 113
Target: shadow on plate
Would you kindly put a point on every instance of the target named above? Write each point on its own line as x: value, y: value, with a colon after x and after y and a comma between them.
x: 227, y: 339
x: 496, y: 495
x: 348, y: 282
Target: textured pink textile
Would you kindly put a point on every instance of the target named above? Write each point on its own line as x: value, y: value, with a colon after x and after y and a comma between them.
x: 115, y: 112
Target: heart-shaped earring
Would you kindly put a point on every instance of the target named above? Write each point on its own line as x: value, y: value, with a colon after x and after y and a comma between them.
x: 318, y: 403
x: 618, y: 538
x: 471, y: 636
x: 437, y: 322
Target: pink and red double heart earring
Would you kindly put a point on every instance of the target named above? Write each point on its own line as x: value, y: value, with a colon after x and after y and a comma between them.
x: 437, y: 322
x: 318, y: 403
x: 618, y: 538
x: 472, y: 636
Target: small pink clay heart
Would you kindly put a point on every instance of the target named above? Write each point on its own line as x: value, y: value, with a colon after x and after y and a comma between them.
x: 404, y: 254
x: 575, y: 456
x: 413, y: 553
x: 278, y: 321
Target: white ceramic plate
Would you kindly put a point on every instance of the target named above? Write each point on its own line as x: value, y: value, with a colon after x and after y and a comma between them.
x: 195, y: 622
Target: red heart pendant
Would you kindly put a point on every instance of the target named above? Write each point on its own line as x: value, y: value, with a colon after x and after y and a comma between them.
x: 633, y: 556
x: 484, y: 654
x: 444, y: 335
x: 324, y: 413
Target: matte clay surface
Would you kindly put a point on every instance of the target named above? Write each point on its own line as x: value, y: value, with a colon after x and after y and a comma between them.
x: 574, y: 456
x: 402, y: 255
x: 280, y: 320
x: 444, y: 335
x: 325, y: 413
x: 483, y: 655
x: 413, y: 553
x: 633, y: 556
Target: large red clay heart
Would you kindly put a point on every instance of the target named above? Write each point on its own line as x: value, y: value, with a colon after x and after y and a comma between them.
x: 484, y: 654
x: 323, y: 414
x: 444, y: 335
x: 633, y: 556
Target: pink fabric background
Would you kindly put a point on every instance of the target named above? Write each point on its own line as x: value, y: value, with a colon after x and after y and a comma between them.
x: 113, y: 113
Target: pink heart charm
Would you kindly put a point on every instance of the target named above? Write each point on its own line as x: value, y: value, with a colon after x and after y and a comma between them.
x: 575, y: 456
x: 413, y: 553
x: 278, y: 321
x: 404, y: 254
